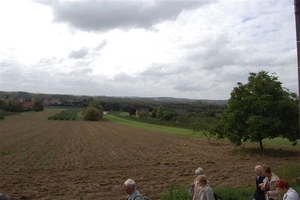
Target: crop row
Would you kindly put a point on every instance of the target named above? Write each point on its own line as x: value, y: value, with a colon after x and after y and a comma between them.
x: 64, y: 115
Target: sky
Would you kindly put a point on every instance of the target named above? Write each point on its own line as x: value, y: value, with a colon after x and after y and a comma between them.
x: 145, y: 48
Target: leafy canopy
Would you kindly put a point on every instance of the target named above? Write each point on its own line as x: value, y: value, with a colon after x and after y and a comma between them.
x: 94, y: 111
x: 260, y: 109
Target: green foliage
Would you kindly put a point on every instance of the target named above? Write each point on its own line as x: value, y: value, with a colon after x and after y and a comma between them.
x: 203, y: 124
x: 11, y: 106
x: 1, y: 115
x: 175, y: 194
x: 65, y: 115
x: 209, y: 113
x: 268, y: 152
x: 160, y: 112
x: 38, y: 105
x: 92, y: 114
x: 230, y: 193
x: 290, y: 173
x: 168, y: 115
x: 259, y: 109
x: 143, y: 114
x: 98, y: 106
x: 147, y: 126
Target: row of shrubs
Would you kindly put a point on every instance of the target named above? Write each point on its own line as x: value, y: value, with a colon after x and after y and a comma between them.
x: 64, y: 115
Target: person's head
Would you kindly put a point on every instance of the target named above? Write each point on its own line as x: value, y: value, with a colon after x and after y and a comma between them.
x: 129, y: 186
x: 199, y: 171
x: 283, y: 186
x: 202, y: 180
x: 258, y: 170
x: 266, y: 170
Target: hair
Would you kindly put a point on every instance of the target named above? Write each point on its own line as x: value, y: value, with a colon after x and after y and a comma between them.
x: 266, y: 169
x: 202, y: 179
x: 130, y: 183
x: 258, y: 167
x: 282, y: 184
x: 199, y: 171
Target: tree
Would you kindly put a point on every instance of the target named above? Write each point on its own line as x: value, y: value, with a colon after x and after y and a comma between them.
x: 38, y: 105
x: 132, y: 111
x: 92, y: 114
x: 97, y: 105
x: 260, y: 109
x: 160, y: 112
x: 13, y: 106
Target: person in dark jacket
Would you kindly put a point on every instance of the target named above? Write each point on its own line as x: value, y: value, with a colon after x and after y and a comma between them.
x: 3, y: 197
x: 259, y: 194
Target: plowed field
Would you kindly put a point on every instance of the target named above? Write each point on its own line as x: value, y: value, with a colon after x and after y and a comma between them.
x: 47, y: 159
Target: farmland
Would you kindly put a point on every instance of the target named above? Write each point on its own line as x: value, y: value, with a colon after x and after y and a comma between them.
x: 60, y: 159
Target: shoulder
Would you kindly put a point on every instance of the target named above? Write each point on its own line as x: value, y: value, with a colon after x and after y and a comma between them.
x: 274, y: 177
x: 265, y: 180
x: 292, y: 192
x: 136, y: 195
x: 208, y: 188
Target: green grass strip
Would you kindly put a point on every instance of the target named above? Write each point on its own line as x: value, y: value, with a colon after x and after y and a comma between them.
x: 166, y: 129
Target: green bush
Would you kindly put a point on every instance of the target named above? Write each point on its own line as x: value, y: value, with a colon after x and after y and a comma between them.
x: 92, y: 114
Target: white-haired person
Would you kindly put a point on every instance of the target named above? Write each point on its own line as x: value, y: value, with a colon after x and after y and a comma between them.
x: 259, y: 194
x: 130, y: 188
x: 198, y: 171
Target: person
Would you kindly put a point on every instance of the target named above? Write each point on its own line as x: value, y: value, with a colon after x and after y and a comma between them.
x: 259, y: 194
x: 205, y: 192
x: 3, y: 197
x: 198, y: 171
x: 289, y: 193
x: 132, y: 192
x: 269, y: 184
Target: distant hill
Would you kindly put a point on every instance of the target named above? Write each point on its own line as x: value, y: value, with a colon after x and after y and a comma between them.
x: 18, y: 94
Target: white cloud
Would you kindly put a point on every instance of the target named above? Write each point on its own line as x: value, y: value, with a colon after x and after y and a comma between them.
x: 189, y: 49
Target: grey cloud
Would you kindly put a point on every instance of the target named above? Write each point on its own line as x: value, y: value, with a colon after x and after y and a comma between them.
x: 165, y: 69
x: 10, y: 70
x: 101, y: 45
x: 106, y: 15
x: 50, y: 60
x: 81, y: 53
x: 123, y: 77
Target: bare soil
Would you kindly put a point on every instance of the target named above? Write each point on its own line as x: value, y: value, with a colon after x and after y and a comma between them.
x: 46, y: 159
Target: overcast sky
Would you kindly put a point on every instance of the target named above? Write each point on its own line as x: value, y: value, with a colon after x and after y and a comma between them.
x: 146, y: 48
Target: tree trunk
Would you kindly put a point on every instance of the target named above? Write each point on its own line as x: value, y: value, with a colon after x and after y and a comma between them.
x: 260, y: 145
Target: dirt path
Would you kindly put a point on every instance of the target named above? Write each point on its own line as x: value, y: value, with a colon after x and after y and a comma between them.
x: 42, y: 159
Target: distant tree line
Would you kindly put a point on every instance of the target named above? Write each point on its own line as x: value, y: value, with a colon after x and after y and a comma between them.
x: 12, y: 105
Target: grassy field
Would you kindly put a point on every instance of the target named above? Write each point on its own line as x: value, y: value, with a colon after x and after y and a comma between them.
x: 187, y: 132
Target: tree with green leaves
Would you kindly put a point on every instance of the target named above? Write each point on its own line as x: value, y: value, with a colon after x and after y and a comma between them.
x: 92, y: 114
x: 94, y: 111
x: 97, y: 105
x: 38, y: 105
x: 160, y: 112
x: 260, y: 109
